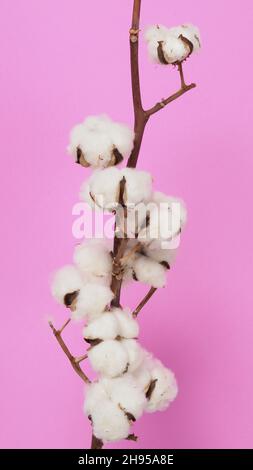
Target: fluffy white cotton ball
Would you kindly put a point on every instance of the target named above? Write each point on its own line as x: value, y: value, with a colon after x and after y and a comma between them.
x: 104, y: 327
x: 165, y: 390
x: 153, y: 35
x: 143, y: 377
x: 138, y: 186
x: 167, y: 216
x: 149, y: 271
x: 66, y: 280
x: 134, y: 352
x: 102, y: 188
x: 127, y: 327
x: 174, y: 203
x: 93, y: 259
x: 109, y: 358
x: 101, y: 141
x: 172, y: 45
x: 92, y: 301
x: 164, y: 256
x: 122, y: 137
x: 109, y: 422
x: 125, y: 392
x: 174, y: 49
x: 188, y: 31
x: 94, y: 394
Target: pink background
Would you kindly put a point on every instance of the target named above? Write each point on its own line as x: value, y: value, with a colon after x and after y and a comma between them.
x: 60, y: 61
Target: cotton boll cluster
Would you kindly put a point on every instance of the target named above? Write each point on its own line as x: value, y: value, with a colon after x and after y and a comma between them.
x: 94, y: 260
x: 150, y: 387
x: 100, y: 142
x: 172, y: 45
x: 103, y: 187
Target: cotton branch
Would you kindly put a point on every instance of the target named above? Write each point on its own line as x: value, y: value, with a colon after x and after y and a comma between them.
x: 142, y: 116
x: 73, y: 360
x: 144, y: 301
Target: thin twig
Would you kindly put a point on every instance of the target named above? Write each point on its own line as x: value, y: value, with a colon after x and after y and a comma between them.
x: 72, y: 359
x: 151, y: 291
x: 168, y: 100
x: 181, y: 73
x: 64, y: 325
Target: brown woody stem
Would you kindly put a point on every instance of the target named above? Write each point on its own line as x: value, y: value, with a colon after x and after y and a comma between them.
x: 151, y: 291
x: 72, y: 359
x: 168, y: 100
x: 96, y: 443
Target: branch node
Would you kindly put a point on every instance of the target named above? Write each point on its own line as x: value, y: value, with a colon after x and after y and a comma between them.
x: 134, y: 34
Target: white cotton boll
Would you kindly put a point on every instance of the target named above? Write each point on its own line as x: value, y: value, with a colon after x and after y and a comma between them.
x: 165, y: 390
x: 102, y: 188
x: 174, y: 49
x: 167, y: 216
x: 149, y: 271
x: 128, y: 327
x: 98, y: 137
x: 165, y: 256
x: 93, y: 259
x: 174, y: 203
x: 98, y: 123
x: 190, y: 32
x: 104, y: 327
x: 155, y: 33
x: 122, y: 137
x: 138, y: 186
x: 92, y: 301
x: 76, y: 135
x: 109, y: 422
x: 143, y: 377
x: 125, y: 392
x: 94, y: 394
x: 135, y: 354
x: 97, y: 149
x: 109, y: 358
x: 66, y: 281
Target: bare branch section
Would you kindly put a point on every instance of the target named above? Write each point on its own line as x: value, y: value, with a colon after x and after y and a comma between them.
x: 168, y: 100
x: 73, y: 361
x: 144, y: 301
